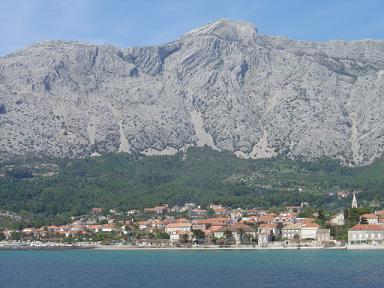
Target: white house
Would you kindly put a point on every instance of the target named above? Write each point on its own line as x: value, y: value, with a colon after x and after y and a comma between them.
x: 371, y: 218
x: 309, y: 231
x: 366, y: 234
x: 291, y: 231
x: 305, y: 231
x: 266, y: 232
x: 178, y: 227
x: 337, y: 220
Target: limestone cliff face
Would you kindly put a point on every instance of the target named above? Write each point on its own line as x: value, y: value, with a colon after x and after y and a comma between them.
x: 223, y: 85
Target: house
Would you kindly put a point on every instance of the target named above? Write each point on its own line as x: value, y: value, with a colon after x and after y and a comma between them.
x: 96, y: 210
x: 323, y: 235
x: 188, y: 207
x: 238, y: 231
x: 269, y: 218
x: 309, y: 231
x: 293, y: 209
x: 342, y: 194
x: 220, y: 211
x: 182, y: 220
x: 157, y: 224
x: 132, y: 212
x: 216, y: 221
x: 305, y: 220
x: 177, y: 236
x: 175, y: 209
x: 200, y: 212
x: 210, y: 232
x: 306, y: 231
x: 286, y: 217
x: 161, y: 209
x: 200, y: 224
x: 291, y: 231
x: 266, y: 233
x: 370, y: 218
x: 250, y: 219
x: 174, y: 227
x: 270, y: 229
x: 143, y: 225
x: 379, y: 213
x: 8, y: 233
x: 366, y: 234
x: 149, y: 210
x: 28, y: 230
x: 94, y: 228
x: 53, y: 228
x: 337, y: 220
x: 108, y: 228
x: 215, y: 206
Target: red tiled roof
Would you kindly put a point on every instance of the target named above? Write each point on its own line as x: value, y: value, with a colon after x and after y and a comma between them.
x: 182, y: 220
x: 236, y: 228
x: 266, y: 218
x: 368, y: 227
x: 310, y: 225
x: 370, y: 216
x: 178, y: 225
x: 268, y: 226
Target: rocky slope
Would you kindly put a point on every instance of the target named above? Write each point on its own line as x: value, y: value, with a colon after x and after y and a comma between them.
x: 224, y: 85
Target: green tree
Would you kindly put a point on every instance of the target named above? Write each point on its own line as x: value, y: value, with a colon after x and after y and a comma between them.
x: 363, y: 220
x: 161, y: 235
x: 16, y: 236
x: 184, y: 238
x: 241, y: 233
x: 296, y: 238
x: 210, y: 212
x: 2, y: 236
x: 227, y: 234
x: 198, y: 235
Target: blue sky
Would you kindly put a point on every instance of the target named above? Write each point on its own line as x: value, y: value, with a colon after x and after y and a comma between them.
x: 147, y: 22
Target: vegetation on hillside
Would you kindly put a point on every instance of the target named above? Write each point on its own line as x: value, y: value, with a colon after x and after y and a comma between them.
x: 50, y: 190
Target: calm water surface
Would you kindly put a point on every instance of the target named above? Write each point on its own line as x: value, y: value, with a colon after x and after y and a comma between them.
x: 88, y: 268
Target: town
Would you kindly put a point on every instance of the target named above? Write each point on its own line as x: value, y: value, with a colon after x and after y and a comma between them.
x: 216, y: 226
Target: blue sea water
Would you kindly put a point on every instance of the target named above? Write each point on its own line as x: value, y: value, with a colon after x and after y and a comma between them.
x: 167, y: 269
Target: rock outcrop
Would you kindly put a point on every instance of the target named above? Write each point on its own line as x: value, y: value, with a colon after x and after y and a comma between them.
x: 224, y: 85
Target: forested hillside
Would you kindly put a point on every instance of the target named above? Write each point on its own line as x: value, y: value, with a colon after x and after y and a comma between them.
x: 57, y: 188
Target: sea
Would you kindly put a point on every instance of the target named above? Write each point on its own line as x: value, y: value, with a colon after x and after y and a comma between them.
x: 194, y: 268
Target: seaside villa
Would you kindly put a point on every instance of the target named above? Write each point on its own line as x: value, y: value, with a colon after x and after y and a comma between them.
x: 366, y: 234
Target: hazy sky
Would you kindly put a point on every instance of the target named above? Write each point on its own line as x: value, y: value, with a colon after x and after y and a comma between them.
x: 146, y: 22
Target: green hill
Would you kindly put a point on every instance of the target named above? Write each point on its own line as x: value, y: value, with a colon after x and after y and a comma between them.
x: 53, y: 189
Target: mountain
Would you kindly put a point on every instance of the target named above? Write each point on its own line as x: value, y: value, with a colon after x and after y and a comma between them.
x: 224, y: 85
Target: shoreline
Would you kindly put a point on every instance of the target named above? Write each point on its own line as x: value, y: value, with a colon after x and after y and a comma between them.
x: 174, y: 248
x: 133, y: 248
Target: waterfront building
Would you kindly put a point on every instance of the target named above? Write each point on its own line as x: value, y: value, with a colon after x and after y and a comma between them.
x: 175, y: 227
x: 306, y: 231
x: 366, y: 234
x: 239, y: 231
x: 266, y: 233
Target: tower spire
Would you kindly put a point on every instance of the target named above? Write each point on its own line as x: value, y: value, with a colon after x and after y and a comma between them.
x: 354, y: 200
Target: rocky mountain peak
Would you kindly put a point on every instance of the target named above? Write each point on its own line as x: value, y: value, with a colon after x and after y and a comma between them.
x: 228, y: 30
x: 220, y: 85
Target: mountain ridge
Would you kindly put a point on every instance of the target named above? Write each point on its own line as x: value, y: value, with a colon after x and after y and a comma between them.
x: 224, y: 85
